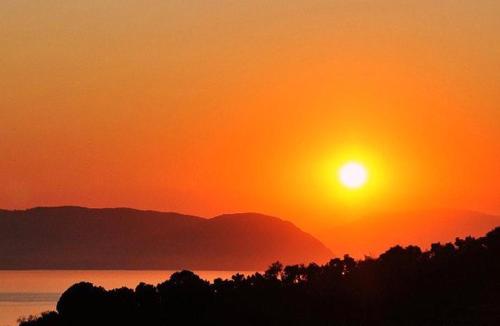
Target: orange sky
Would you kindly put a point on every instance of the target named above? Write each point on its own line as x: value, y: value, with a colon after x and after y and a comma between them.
x: 206, y: 107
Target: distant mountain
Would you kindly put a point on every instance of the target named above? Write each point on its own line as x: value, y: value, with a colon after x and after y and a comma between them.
x: 123, y: 238
x: 373, y: 234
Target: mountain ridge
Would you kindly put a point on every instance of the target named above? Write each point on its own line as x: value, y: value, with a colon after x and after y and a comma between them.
x: 416, y: 227
x: 75, y: 237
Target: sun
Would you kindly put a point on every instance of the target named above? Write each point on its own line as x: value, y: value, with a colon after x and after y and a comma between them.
x: 353, y: 175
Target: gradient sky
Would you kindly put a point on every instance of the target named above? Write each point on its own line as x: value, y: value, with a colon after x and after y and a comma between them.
x: 207, y: 107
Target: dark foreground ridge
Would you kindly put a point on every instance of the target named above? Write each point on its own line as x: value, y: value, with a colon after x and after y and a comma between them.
x: 451, y: 284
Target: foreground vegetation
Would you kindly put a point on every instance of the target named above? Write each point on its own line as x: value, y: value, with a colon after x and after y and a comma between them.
x: 451, y: 284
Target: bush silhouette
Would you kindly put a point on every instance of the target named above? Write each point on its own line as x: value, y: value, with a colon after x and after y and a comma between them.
x: 450, y: 284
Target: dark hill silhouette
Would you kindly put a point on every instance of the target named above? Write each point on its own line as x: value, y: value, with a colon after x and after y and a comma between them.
x: 450, y: 284
x: 123, y: 238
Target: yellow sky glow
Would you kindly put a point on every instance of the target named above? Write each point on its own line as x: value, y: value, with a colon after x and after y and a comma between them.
x: 210, y: 107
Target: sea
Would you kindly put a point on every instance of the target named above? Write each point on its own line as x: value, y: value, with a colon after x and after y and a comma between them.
x: 25, y: 293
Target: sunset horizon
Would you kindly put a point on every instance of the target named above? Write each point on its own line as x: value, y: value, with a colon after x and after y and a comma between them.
x: 329, y: 162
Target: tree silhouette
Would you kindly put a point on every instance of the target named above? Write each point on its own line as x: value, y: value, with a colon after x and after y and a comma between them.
x: 450, y: 284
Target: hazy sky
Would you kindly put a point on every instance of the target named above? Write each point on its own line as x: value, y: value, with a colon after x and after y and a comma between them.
x: 206, y: 107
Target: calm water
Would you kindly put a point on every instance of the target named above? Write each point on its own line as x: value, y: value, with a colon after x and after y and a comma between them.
x: 24, y: 293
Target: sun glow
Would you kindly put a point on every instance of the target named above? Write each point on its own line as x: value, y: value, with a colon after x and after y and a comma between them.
x: 353, y: 175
